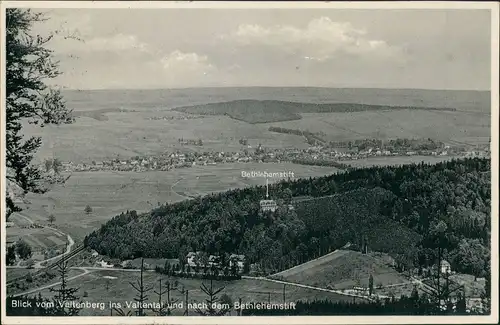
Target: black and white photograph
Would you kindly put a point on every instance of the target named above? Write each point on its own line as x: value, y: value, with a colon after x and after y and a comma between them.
x: 234, y: 162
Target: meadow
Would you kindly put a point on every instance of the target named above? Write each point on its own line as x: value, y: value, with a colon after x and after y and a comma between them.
x: 128, y: 134
x: 449, y: 127
x: 105, y: 286
x: 37, y: 238
x: 343, y: 270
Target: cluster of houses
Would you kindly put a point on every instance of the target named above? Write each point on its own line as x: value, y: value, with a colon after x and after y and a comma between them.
x: 178, y: 159
x: 194, y: 259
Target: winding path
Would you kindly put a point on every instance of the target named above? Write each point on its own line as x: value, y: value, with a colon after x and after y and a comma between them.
x: 71, y: 242
x: 177, y: 193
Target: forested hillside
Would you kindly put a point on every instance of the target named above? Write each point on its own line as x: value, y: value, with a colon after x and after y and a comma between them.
x: 265, y: 111
x: 397, y: 209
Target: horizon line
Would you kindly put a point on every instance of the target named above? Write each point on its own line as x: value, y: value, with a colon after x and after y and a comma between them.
x: 232, y: 87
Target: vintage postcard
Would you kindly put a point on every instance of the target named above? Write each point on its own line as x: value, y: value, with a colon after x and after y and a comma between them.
x: 249, y: 162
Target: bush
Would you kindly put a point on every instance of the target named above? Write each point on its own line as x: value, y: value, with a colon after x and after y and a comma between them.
x: 30, y: 264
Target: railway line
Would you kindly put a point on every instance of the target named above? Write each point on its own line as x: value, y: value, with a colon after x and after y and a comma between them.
x: 66, y: 257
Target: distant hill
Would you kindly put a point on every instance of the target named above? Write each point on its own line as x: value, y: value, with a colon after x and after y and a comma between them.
x: 266, y: 111
x: 146, y: 99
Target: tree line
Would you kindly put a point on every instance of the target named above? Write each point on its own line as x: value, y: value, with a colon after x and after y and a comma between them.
x: 413, y: 305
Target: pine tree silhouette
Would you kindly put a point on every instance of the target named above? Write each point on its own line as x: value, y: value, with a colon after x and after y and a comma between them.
x: 141, y: 289
x: 211, y: 301
x: 166, y: 306
x: 65, y: 296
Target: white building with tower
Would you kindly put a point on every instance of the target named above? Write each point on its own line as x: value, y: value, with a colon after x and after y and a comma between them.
x: 268, y: 205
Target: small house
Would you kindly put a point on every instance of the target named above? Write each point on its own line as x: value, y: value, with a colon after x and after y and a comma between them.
x: 105, y: 264
x: 192, y: 258
x: 213, y: 260
x: 445, y: 267
x: 239, y: 260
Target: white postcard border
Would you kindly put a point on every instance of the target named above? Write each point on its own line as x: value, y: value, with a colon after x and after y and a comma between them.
x: 493, y: 318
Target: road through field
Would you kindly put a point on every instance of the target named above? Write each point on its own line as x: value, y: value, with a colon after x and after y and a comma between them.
x: 53, y: 284
x: 86, y: 270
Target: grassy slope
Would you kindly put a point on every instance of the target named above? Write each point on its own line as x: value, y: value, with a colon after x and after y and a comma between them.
x: 390, y: 124
x: 342, y: 270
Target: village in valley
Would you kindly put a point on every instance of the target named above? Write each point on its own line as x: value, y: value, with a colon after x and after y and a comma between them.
x: 334, y: 155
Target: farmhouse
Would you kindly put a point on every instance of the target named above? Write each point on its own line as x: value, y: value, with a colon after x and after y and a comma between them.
x: 239, y: 260
x: 192, y: 258
x: 105, y: 264
x: 213, y: 260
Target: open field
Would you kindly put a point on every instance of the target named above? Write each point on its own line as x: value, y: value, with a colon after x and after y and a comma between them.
x: 151, y: 262
x: 344, y: 270
x: 446, y: 126
x: 38, y: 238
x: 207, y: 179
x: 128, y: 134
x: 296, y: 270
x: 110, y: 193
x: 13, y: 273
x: 119, y: 290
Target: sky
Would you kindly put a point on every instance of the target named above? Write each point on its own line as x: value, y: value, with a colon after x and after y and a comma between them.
x: 189, y: 48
